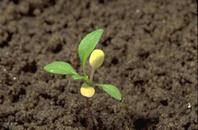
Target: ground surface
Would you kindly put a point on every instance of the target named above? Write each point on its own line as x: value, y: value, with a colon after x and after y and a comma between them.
x: 151, y: 55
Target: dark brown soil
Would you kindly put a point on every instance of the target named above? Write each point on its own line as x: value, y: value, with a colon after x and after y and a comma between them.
x: 151, y: 55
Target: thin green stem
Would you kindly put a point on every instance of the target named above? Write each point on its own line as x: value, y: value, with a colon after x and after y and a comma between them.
x: 92, y: 74
x: 84, y: 70
x: 91, y: 117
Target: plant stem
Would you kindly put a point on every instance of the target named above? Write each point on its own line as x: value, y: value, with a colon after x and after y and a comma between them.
x: 92, y: 74
x: 84, y: 70
x: 91, y: 121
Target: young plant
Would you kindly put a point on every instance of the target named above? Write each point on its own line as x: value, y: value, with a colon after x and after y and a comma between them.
x: 96, y: 59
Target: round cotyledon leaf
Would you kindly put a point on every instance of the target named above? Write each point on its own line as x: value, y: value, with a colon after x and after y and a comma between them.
x: 96, y: 58
x: 87, y: 90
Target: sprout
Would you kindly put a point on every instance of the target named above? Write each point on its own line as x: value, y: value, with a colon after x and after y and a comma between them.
x: 96, y: 59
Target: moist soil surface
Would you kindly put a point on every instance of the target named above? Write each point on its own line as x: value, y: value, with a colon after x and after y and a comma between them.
x: 151, y: 56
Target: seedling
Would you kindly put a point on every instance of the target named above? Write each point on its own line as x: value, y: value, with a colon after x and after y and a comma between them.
x: 86, y: 50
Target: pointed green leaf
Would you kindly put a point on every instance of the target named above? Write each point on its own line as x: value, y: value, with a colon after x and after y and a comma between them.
x: 60, y: 67
x: 87, y: 45
x: 111, y: 90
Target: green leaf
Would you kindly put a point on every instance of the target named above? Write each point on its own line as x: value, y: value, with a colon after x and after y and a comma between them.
x: 111, y: 90
x: 60, y: 67
x: 79, y: 77
x: 87, y: 45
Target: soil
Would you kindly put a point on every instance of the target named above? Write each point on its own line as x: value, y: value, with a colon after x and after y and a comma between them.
x: 151, y: 55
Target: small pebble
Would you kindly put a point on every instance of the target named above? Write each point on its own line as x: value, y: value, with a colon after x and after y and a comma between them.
x: 137, y: 11
x: 14, y: 78
x: 189, y: 106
